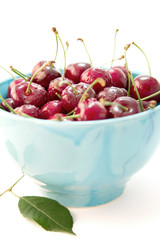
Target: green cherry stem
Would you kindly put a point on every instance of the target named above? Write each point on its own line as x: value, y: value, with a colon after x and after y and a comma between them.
x: 8, y: 72
x: 130, y: 78
x: 80, y: 39
x: 7, y: 105
x: 69, y: 84
x: 64, y: 52
x: 10, y: 188
x: 149, y: 68
x: 114, y: 51
x: 107, y: 103
x: 98, y: 80
x: 39, y: 69
x: 19, y: 73
x: 67, y: 117
x: 56, y: 48
x: 150, y: 96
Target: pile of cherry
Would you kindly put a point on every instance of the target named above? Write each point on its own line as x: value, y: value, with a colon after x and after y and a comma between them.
x: 82, y: 93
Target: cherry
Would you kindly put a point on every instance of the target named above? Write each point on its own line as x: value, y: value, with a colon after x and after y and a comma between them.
x: 44, y: 76
x: 30, y: 110
x: 10, y: 102
x: 149, y: 104
x: 146, y: 85
x: 91, y: 109
x: 131, y: 105
x: 71, y: 95
x: 74, y: 70
x: 123, y: 69
x: 37, y: 96
x: 56, y: 87
x: 91, y: 74
x: 119, y: 79
x: 111, y: 93
x: 13, y: 83
x: 51, y: 108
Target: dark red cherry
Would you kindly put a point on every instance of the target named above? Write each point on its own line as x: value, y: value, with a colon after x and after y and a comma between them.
x: 70, y: 98
x: 51, y: 108
x: 111, y: 93
x: 149, y: 104
x: 10, y: 102
x: 119, y: 79
x: 91, y: 109
x: 44, y: 76
x: 74, y: 70
x: 146, y: 85
x: 14, y: 82
x: 91, y: 74
x: 30, y: 110
x: 55, y: 88
x: 38, y: 96
x: 123, y: 69
x: 132, y: 107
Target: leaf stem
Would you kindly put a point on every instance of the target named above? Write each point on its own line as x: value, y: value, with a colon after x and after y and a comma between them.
x: 10, y: 188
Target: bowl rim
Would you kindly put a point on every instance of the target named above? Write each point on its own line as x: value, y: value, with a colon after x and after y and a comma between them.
x: 47, y: 122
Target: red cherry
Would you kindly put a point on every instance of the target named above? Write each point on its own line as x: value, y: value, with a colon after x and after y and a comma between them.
x: 30, y: 110
x: 38, y: 95
x: 146, y: 85
x: 44, y: 76
x: 111, y: 93
x: 74, y: 70
x: 55, y: 88
x: 51, y: 108
x: 91, y: 74
x: 130, y: 103
x: 14, y: 82
x: 123, y: 69
x: 119, y: 79
x: 91, y: 109
x: 10, y: 102
x: 70, y: 98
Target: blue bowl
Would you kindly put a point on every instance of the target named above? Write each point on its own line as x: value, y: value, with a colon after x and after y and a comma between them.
x: 81, y: 163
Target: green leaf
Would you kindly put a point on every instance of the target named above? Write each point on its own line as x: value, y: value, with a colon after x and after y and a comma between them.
x: 47, y: 212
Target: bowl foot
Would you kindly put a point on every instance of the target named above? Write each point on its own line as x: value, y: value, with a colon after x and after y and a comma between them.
x: 84, y: 199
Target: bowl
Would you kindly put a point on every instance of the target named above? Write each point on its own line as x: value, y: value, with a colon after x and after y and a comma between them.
x: 85, y: 163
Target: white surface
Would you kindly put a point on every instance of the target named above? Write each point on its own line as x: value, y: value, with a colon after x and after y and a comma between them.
x: 26, y: 38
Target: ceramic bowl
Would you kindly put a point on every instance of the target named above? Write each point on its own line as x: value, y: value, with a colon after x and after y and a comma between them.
x: 81, y: 163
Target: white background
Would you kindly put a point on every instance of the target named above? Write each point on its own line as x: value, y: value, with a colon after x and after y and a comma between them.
x: 25, y: 39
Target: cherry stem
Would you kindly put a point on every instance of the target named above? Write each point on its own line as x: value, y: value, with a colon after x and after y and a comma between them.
x: 19, y: 73
x: 8, y: 72
x: 130, y: 78
x: 69, y: 117
x: 150, y: 96
x: 58, y: 95
x: 10, y: 188
x: 149, y: 68
x: 107, y: 103
x: 80, y: 39
x: 39, y: 69
x: 69, y: 84
x: 98, y: 80
x: 64, y: 52
x: 7, y: 105
x: 114, y: 51
x: 120, y: 58
x: 56, y: 48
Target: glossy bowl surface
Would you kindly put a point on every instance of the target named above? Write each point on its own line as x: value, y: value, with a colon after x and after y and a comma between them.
x: 81, y: 163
